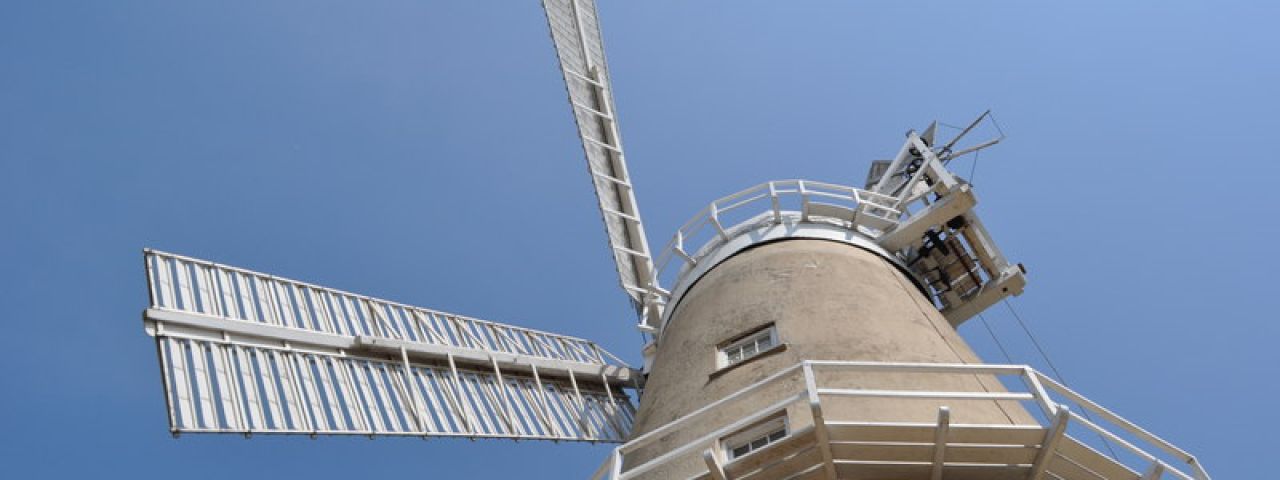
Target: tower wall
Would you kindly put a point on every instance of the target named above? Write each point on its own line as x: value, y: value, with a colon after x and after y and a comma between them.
x: 828, y: 301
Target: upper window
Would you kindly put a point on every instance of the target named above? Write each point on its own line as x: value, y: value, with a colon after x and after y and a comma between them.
x: 755, y: 438
x: 745, y: 348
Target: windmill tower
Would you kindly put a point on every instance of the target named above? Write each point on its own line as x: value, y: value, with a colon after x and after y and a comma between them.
x: 796, y: 329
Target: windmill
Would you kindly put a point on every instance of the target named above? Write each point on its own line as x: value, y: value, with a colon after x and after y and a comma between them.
x: 796, y: 329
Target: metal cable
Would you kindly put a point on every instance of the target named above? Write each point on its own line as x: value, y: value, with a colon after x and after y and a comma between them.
x: 915, y: 301
x: 1056, y: 372
x: 996, y: 124
x: 1007, y: 359
x: 974, y: 168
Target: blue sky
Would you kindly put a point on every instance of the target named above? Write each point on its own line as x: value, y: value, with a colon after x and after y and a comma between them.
x: 424, y: 152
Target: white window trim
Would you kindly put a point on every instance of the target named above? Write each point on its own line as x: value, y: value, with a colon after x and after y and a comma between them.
x: 760, y: 431
x: 723, y: 353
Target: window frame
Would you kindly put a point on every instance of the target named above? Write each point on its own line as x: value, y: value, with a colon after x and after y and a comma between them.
x: 725, y: 352
x: 768, y: 431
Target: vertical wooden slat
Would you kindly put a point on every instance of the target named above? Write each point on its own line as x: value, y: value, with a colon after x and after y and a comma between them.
x: 181, y: 385
x: 384, y: 320
x: 270, y: 376
x: 183, y: 272
x: 360, y: 371
x: 203, y: 285
x: 430, y: 330
x: 461, y: 408
x: 475, y: 398
x: 400, y: 379
x: 325, y: 385
x: 418, y: 381
x: 525, y: 418
x: 579, y: 408
x: 290, y: 394
x: 561, y: 407
x: 164, y: 282
x: 431, y: 389
x: 540, y: 394
x: 163, y: 352
x: 304, y: 366
x: 302, y: 314
x: 227, y: 294
x: 322, y: 311
x: 504, y: 397
x: 383, y: 383
x: 285, y: 304
x: 266, y: 300
x: 406, y: 323
x: 351, y: 400
x: 249, y: 388
x: 244, y: 293
x: 204, y: 393
x: 488, y: 387
x: 343, y: 310
x: 227, y: 393
x: 337, y: 315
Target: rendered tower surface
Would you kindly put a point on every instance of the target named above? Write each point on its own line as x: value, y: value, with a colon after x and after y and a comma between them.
x: 794, y: 330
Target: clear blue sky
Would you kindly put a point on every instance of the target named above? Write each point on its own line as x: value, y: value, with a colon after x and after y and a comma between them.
x: 423, y: 152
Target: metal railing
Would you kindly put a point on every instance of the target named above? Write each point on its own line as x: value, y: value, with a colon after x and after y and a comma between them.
x: 772, y: 203
x: 1038, y: 389
x: 185, y: 284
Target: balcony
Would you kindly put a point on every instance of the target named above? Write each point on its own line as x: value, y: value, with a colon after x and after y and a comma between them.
x: 1063, y: 436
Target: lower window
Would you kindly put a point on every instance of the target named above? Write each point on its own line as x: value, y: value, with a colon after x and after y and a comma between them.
x: 755, y: 437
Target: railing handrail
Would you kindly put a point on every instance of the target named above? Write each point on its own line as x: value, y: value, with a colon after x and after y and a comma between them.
x: 1036, y: 391
x: 856, y: 199
x: 1115, y: 419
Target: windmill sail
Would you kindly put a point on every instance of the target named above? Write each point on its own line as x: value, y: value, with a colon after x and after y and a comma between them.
x: 246, y: 352
x: 575, y: 30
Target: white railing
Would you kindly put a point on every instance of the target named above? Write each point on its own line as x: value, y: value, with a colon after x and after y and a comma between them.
x: 191, y: 285
x: 1040, y: 389
x: 773, y: 202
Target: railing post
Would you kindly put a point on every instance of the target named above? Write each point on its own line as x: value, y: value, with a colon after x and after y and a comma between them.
x: 714, y: 216
x: 940, y: 442
x: 777, y: 207
x: 804, y: 201
x: 1050, y: 443
x: 1042, y: 396
x: 819, y: 422
x: 714, y: 469
x: 616, y: 474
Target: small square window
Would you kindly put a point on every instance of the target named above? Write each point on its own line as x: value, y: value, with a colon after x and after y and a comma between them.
x: 747, y: 347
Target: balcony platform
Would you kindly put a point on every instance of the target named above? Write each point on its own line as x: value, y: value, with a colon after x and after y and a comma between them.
x: 1062, y: 443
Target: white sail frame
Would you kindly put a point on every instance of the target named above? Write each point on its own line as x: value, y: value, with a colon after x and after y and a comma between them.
x: 247, y: 352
